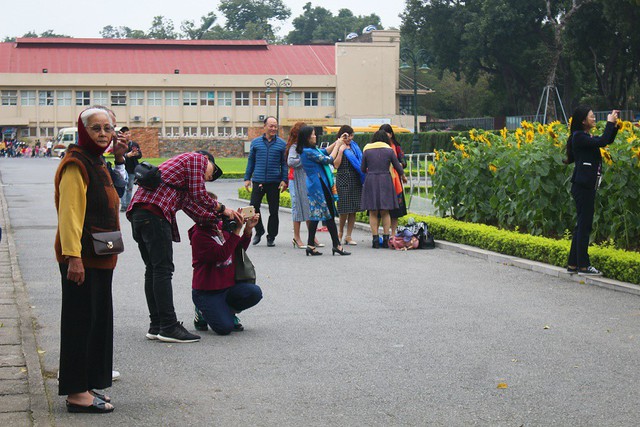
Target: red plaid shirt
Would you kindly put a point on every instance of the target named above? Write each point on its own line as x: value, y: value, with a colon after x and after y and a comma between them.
x: 185, y: 171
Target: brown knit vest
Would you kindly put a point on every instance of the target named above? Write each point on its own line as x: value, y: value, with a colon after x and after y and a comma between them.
x: 101, y: 213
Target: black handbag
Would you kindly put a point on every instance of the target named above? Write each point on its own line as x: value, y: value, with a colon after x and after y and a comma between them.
x: 245, y: 271
x: 107, y: 243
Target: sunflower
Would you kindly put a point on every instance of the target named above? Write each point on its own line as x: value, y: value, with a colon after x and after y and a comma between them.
x: 529, y: 136
x: 436, y: 154
x: 493, y: 168
x: 541, y: 129
x: 473, y: 134
x: 432, y: 169
x: 606, y: 156
x: 503, y: 133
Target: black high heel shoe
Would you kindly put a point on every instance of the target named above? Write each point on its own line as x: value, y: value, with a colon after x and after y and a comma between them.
x: 340, y: 251
x: 312, y: 251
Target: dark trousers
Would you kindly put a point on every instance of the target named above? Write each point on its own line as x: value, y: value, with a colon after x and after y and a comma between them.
x: 273, y: 199
x: 585, y: 201
x: 154, y: 238
x: 86, y: 332
x: 219, y: 307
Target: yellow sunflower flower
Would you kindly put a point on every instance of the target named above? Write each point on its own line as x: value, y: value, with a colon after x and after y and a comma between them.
x: 432, y: 169
x: 503, y: 133
x: 493, y: 168
x: 541, y: 129
x: 529, y: 136
x: 436, y: 154
x: 606, y: 156
x: 473, y: 134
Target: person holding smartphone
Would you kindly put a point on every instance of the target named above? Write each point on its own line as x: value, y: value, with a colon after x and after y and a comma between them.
x: 216, y: 294
x: 583, y: 149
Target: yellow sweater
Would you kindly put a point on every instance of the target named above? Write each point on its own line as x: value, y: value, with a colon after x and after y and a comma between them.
x: 73, y: 204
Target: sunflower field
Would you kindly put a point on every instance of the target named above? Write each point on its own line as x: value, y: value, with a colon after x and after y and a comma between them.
x: 516, y: 180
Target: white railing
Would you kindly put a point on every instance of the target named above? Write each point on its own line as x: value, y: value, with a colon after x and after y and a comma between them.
x: 419, y: 179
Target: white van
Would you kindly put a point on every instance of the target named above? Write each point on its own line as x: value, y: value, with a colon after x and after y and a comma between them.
x: 65, y: 137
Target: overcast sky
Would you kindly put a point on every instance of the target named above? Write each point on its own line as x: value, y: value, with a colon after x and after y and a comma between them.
x: 85, y: 19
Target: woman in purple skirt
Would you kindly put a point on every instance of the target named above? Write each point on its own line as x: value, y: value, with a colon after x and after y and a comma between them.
x: 378, y: 191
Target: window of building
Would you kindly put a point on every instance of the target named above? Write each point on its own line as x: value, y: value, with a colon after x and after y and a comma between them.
x: 83, y: 97
x: 64, y: 97
x: 208, y: 131
x: 172, y: 97
x: 190, y: 97
x: 242, y: 131
x: 311, y: 99
x: 154, y: 98
x: 242, y: 98
x: 136, y: 97
x: 45, y: 97
x: 295, y: 99
x: 172, y: 131
x: 27, y: 97
x: 118, y: 97
x: 9, y: 97
x: 27, y: 132
x: 225, y: 98
x: 100, y: 97
x: 260, y: 99
x: 45, y: 132
x: 207, y: 97
x: 327, y: 99
x: 224, y: 131
x: 405, y: 104
x: 191, y: 131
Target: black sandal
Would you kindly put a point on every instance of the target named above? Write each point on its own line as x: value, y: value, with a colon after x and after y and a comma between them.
x: 98, y: 406
x: 100, y: 396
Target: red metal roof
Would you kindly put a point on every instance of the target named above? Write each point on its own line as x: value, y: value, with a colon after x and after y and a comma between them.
x: 234, y: 57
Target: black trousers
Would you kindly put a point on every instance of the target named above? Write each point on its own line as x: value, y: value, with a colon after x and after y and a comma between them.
x: 154, y: 238
x: 585, y: 199
x: 273, y: 199
x: 86, y: 332
x: 330, y: 223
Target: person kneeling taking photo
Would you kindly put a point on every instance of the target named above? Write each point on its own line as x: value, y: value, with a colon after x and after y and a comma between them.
x: 216, y: 294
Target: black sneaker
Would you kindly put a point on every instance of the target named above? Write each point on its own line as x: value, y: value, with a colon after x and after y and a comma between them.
x: 572, y: 270
x: 177, y: 334
x: 198, y: 321
x: 271, y: 241
x: 589, y: 271
x: 152, y: 334
x: 257, y: 238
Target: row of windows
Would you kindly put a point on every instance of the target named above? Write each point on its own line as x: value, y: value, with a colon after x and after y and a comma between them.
x: 169, y: 131
x: 118, y: 98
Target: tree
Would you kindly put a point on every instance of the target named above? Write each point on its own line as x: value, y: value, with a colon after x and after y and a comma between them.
x: 319, y: 24
x: 162, y: 29
x: 190, y: 31
x: 252, y: 19
x: 33, y: 34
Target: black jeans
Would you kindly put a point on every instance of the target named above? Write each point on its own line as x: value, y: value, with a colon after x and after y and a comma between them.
x: 154, y: 238
x: 86, y: 332
x: 273, y: 199
x: 585, y: 199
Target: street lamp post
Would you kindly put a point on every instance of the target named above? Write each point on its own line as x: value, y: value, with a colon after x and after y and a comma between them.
x: 411, y: 59
x: 272, y: 84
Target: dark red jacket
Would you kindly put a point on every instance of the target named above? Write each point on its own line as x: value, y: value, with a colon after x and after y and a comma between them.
x: 213, y: 258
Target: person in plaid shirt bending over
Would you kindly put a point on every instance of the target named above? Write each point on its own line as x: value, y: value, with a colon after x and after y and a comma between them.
x: 153, y: 222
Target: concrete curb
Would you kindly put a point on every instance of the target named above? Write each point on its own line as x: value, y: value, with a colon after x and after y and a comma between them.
x: 38, y: 402
x: 550, y: 270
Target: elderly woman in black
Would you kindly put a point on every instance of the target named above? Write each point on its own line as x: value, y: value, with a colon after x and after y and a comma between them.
x: 583, y: 149
x: 86, y: 202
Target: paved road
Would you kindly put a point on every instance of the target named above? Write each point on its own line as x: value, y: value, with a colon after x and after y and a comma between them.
x: 378, y: 338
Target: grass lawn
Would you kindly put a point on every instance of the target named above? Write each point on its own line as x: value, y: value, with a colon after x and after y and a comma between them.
x: 236, y: 165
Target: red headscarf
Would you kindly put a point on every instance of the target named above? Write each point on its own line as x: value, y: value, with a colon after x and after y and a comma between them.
x: 85, y: 141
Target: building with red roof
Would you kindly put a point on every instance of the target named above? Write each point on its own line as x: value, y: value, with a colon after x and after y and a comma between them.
x: 198, y: 88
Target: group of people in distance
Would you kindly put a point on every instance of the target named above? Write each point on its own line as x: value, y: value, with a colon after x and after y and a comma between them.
x: 365, y: 179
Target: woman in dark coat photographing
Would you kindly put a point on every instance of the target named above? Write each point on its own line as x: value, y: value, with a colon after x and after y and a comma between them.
x: 583, y: 149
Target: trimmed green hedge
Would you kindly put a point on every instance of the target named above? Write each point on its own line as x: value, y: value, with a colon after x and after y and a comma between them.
x: 614, y: 263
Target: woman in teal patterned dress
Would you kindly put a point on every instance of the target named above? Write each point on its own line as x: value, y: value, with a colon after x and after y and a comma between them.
x: 320, y: 183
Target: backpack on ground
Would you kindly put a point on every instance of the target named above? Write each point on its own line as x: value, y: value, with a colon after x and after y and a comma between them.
x: 421, y: 231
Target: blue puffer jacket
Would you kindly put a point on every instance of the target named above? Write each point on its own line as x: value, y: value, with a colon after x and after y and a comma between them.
x: 267, y: 162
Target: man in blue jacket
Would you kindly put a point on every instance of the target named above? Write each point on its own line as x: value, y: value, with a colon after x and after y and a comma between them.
x: 267, y: 174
